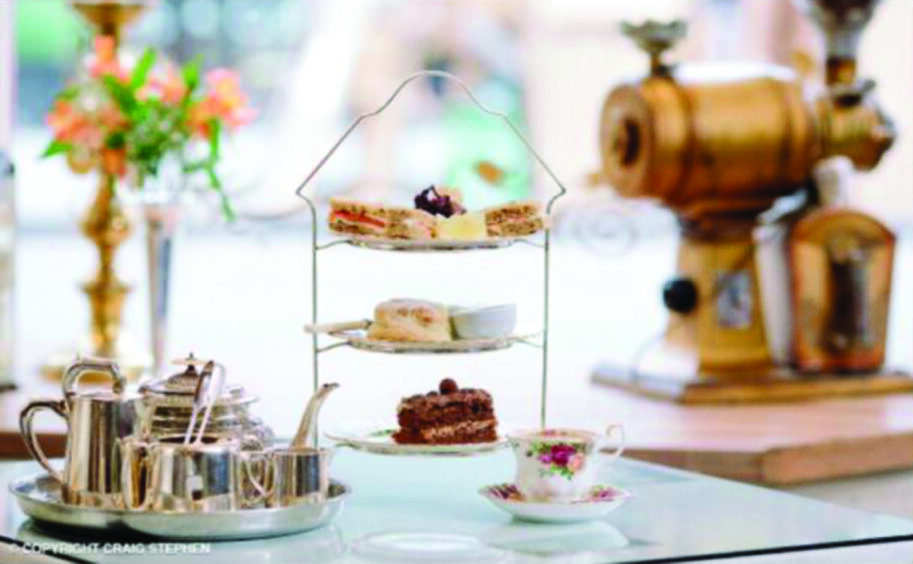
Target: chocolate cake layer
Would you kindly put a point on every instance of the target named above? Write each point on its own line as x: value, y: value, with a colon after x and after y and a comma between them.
x: 461, y: 416
x: 460, y: 433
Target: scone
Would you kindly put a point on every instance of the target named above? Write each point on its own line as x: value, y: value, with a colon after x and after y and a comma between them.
x: 410, y: 320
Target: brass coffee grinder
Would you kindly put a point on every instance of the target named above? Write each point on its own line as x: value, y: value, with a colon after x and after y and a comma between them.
x: 718, y: 146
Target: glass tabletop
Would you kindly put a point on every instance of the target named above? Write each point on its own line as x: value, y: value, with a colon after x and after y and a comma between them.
x: 410, y: 509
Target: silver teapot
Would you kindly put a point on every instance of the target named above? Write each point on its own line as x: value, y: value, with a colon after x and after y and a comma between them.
x: 169, y: 406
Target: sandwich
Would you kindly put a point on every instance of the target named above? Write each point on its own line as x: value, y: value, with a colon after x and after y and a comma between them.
x: 351, y: 217
x: 514, y: 219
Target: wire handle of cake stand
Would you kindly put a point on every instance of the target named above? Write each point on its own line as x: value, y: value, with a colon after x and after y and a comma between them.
x: 472, y: 97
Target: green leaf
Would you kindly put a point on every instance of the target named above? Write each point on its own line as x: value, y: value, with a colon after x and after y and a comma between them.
x: 116, y: 140
x: 191, y: 73
x: 214, y: 182
x: 68, y: 93
x: 56, y: 147
x: 215, y: 128
x: 141, y: 70
x: 227, y: 210
x: 122, y: 95
x: 197, y: 166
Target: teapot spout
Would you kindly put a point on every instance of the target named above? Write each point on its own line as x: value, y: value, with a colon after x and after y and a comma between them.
x: 307, y: 429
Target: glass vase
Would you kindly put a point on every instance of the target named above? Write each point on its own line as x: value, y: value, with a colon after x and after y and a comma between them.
x: 161, y: 213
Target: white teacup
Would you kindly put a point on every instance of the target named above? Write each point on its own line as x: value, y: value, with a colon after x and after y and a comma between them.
x: 559, y: 465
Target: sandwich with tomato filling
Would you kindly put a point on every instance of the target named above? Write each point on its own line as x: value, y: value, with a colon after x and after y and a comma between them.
x: 351, y: 217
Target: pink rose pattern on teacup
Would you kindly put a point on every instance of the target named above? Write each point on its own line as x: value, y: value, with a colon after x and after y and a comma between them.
x: 563, y: 459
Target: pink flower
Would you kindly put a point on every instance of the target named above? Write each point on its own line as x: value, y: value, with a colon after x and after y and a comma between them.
x: 561, y: 454
x: 576, y: 462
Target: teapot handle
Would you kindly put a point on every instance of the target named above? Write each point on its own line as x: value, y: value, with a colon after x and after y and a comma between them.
x: 82, y: 365
x: 620, y: 448
x: 28, y: 433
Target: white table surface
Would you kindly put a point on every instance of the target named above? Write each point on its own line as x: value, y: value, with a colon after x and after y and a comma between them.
x: 672, y: 514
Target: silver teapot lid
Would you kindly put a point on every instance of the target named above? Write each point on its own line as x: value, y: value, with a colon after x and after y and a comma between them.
x: 183, y: 384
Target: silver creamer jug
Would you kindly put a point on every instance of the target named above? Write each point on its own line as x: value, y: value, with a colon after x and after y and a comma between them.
x: 97, y: 420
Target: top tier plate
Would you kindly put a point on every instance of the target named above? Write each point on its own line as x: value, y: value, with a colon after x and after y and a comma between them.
x: 429, y: 245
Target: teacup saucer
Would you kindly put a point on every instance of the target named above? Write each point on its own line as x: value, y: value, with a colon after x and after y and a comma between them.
x: 601, y: 501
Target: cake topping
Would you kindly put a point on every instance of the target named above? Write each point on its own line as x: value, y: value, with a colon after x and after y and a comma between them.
x: 448, y: 386
x: 436, y: 203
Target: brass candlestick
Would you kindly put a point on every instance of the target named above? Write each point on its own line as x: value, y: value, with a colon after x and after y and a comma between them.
x: 107, y: 226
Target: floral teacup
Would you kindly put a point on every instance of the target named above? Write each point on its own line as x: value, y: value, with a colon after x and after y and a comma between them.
x: 559, y: 465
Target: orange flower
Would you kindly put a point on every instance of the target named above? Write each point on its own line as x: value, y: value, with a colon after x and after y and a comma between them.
x: 61, y: 118
x: 170, y: 89
x: 105, y: 60
x: 173, y: 87
x: 110, y: 117
x: 223, y: 102
x: 74, y: 127
x: 198, y: 117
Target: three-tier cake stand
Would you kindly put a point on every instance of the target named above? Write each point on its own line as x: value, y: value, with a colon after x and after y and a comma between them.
x: 357, y: 341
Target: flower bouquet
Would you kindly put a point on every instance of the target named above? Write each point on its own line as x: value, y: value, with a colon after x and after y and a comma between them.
x: 130, y: 124
x: 127, y: 121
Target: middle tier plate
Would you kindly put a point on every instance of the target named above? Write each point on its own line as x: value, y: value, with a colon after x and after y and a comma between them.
x: 358, y: 339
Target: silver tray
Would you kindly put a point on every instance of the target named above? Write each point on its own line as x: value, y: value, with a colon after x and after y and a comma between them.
x: 39, y: 498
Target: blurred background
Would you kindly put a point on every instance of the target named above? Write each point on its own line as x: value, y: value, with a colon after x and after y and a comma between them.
x: 241, y: 294
x: 310, y: 67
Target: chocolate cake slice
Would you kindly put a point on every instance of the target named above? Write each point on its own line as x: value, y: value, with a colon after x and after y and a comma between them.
x: 448, y: 416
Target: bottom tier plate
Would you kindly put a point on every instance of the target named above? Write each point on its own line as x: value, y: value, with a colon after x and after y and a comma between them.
x: 377, y: 438
x: 39, y: 498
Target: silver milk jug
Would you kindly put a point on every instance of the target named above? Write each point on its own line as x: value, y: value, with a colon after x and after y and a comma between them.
x: 97, y: 420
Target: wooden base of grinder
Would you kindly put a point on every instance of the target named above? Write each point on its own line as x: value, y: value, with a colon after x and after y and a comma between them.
x: 778, y: 384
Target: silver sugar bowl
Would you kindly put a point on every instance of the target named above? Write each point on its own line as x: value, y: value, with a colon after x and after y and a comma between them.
x: 169, y: 405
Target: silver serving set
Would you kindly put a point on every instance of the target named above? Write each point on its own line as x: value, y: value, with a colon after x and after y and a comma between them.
x: 181, y: 457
